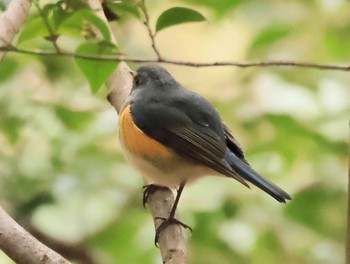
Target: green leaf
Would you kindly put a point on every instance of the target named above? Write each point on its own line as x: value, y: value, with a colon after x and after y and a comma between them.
x: 270, y: 35
x: 11, y: 127
x: 47, y: 12
x: 96, y: 71
x: 8, y: 68
x: 124, y: 7
x: 268, y: 248
x: 75, y: 120
x: 333, y: 41
x: 221, y: 7
x: 59, y: 15
x: 2, y: 6
x: 78, y: 22
x: 34, y: 28
x: 178, y: 15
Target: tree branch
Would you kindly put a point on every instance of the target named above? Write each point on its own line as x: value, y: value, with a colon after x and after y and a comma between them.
x: 171, y: 241
x: 277, y: 63
x: 17, y: 243
x: 73, y: 251
x: 22, y: 247
x: 120, y: 82
x: 12, y: 20
x: 347, y: 248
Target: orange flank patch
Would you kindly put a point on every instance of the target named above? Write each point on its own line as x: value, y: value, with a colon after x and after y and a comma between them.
x: 137, y: 142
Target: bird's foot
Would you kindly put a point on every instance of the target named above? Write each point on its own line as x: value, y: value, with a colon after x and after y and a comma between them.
x: 149, y: 190
x: 166, y: 223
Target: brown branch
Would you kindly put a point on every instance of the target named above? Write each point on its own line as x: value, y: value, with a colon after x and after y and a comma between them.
x: 12, y: 20
x: 171, y: 241
x: 309, y: 65
x: 120, y: 82
x: 347, y: 247
x: 22, y: 247
x: 15, y: 242
x: 73, y: 251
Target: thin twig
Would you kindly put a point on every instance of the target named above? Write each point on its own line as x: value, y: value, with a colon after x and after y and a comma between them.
x: 149, y: 29
x: 53, y: 37
x: 310, y: 65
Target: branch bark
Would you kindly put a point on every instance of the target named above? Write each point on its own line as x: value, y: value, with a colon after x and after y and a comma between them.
x: 76, y: 252
x: 120, y: 82
x: 12, y: 20
x: 171, y: 241
x: 347, y: 248
x: 17, y: 243
x: 22, y: 247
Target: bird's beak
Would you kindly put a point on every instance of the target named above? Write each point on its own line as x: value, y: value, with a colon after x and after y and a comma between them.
x: 133, y: 73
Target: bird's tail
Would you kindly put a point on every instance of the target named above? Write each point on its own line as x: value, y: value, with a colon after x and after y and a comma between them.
x: 243, y: 169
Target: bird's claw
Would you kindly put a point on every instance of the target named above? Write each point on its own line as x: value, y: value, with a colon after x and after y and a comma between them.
x: 149, y: 190
x: 166, y: 223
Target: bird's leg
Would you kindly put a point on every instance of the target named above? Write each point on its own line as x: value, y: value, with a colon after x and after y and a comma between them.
x: 171, y: 219
x: 148, y: 190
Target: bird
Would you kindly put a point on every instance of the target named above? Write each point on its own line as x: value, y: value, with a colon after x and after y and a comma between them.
x: 174, y: 136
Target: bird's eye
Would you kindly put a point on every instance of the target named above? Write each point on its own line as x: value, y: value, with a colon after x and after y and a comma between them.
x: 138, y: 80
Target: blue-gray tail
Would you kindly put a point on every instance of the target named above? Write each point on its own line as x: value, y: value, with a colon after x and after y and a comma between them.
x: 243, y: 169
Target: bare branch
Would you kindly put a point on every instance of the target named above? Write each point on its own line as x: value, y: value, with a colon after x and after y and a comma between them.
x: 149, y: 29
x: 12, y: 20
x: 171, y: 241
x: 22, y: 247
x: 120, y: 82
x: 17, y: 243
x: 309, y: 65
x: 76, y: 252
x: 347, y: 248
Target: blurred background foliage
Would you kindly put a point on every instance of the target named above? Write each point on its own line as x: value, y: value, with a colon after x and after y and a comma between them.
x: 62, y: 173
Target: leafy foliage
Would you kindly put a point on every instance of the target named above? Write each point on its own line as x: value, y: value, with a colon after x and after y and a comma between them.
x: 177, y: 15
x: 76, y: 24
x: 96, y: 72
x: 220, y: 7
x: 125, y: 8
x: 270, y: 35
x: 35, y: 28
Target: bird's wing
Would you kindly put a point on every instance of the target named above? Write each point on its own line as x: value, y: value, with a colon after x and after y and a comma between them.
x: 233, y: 144
x: 203, y: 146
x: 193, y: 130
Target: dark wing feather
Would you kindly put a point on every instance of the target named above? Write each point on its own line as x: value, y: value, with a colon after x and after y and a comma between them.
x: 203, y: 147
x: 237, y: 161
x: 233, y: 144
